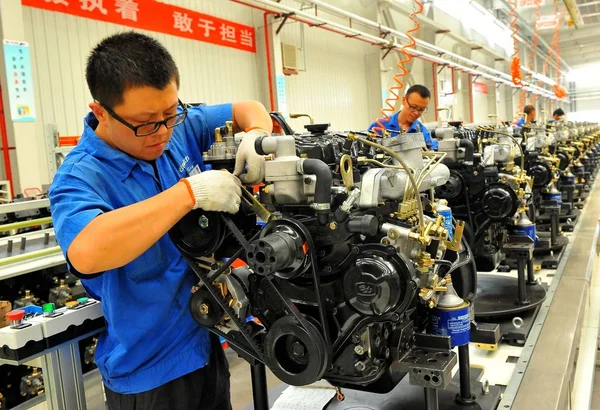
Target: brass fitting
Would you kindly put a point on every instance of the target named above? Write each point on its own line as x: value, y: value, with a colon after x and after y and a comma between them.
x: 204, y: 309
x: 424, y: 262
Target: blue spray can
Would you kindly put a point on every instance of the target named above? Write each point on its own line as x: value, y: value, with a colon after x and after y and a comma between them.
x: 567, y: 178
x: 451, y: 318
x: 525, y: 227
x: 554, y: 195
x: 446, y: 212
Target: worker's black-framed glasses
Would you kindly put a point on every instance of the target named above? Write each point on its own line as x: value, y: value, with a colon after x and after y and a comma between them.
x: 416, y: 109
x: 148, y: 128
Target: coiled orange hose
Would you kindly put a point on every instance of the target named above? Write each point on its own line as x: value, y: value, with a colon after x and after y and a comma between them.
x: 522, y: 99
x: 395, y: 89
x: 558, y: 90
x: 535, y: 40
x: 515, y: 64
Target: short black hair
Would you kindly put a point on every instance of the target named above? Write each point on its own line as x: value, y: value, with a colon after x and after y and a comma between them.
x: 528, y: 109
x: 126, y: 60
x: 558, y: 112
x: 419, y: 89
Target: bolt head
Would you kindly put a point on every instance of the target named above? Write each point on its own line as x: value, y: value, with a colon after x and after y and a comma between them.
x: 204, y: 309
x: 203, y: 222
x: 298, y: 349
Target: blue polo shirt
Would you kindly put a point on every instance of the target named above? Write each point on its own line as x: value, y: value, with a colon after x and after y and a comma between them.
x: 393, y: 126
x: 151, y: 337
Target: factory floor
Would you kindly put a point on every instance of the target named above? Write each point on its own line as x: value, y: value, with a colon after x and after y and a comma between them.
x: 241, y: 386
x: 596, y: 393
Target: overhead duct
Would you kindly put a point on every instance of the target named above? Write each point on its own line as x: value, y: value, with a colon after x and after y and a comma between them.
x: 573, y: 10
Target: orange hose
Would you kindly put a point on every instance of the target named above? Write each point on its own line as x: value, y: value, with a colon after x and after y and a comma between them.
x: 522, y: 99
x: 535, y: 41
x: 559, y: 91
x: 395, y: 89
x: 557, y: 34
x: 555, y: 46
x: 515, y: 64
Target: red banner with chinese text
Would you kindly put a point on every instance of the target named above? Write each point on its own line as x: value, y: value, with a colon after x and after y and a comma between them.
x: 157, y: 17
x: 480, y: 87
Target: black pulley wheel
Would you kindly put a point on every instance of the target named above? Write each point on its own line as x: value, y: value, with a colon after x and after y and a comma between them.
x: 541, y: 173
x: 453, y: 188
x: 564, y: 161
x: 296, y: 355
x: 198, y: 234
x: 205, y: 309
x: 279, y: 250
x: 499, y: 201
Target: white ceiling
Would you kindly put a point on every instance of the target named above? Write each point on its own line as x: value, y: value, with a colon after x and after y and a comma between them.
x: 581, y: 45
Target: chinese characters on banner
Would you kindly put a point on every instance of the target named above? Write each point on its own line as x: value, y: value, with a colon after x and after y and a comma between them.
x: 530, y: 3
x: 157, y: 17
x: 20, y: 86
x: 547, y: 22
x: 481, y: 88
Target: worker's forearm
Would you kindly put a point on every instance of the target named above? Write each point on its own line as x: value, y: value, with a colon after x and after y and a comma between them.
x: 116, y: 238
x: 249, y: 114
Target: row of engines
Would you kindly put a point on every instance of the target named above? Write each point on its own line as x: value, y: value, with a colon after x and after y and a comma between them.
x: 353, y: 242
x: 500, y: 178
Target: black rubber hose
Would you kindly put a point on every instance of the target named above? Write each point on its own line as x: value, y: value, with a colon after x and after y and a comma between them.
x: 469, y: 149
x: 323, y: 187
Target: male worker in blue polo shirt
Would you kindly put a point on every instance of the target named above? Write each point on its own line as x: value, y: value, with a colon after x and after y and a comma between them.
x: 414, y: 104
x: 529, y: 118
x: 135, y: 173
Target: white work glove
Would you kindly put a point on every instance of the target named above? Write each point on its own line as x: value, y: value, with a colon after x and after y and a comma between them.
x: 217, y: 191
x: 247, y: 158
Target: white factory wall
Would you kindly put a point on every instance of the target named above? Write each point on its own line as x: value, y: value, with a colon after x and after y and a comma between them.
x: 209, y: 73
x: 587, y: 91
x: 334, y: 87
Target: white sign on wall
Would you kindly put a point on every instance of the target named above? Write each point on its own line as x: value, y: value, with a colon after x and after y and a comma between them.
x: 17, y: 60
x: 523, y: 4
x: 547, y: 22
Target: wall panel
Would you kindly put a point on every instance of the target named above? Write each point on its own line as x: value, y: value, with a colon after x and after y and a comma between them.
x: 61, y: 43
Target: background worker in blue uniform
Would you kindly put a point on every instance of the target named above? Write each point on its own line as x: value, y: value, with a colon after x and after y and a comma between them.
x: 136, y: 171
x: 557, y: 115
x: 529, y: 118
x: 414, y: 104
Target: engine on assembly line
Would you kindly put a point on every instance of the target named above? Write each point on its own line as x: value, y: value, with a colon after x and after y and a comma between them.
x: 340, y: 259
x: 488, y: 187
